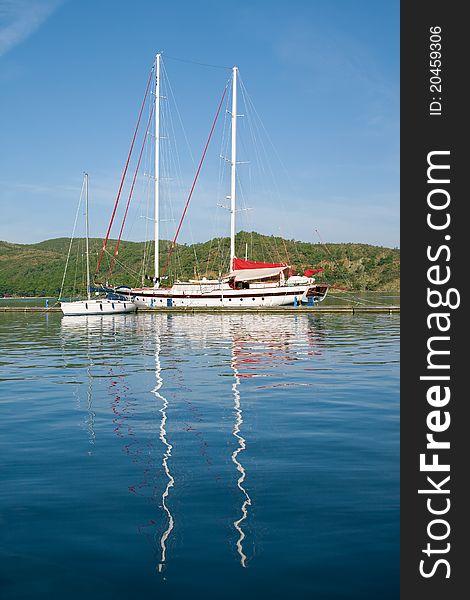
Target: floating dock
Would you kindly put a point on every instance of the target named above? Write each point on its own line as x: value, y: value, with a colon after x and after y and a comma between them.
x: 350, y: 309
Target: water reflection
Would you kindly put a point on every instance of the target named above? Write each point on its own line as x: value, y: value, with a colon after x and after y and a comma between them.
x: 104, y: 335
x: 251, y: 346
x: 166, y: 454
x: 241, y: 447
x: 83, y: 330
x: 307, y: 406
x: 90, y: 419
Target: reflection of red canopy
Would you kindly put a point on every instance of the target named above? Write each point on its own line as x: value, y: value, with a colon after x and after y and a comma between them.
x: 239, y: 264
x: 310, y: 272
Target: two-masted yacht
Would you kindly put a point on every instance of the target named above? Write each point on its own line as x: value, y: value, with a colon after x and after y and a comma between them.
x: 246, y: 284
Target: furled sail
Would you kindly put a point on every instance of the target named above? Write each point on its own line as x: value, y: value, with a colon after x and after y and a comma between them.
x: 239, y: 264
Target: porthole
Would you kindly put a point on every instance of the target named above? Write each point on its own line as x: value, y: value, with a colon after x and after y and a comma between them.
x: 112, y: 304
x: 253, y: 299
x: 101, y: 307
x: 86, y: 305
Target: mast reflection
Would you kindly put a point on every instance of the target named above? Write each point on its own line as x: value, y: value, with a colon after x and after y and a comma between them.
x: 241, y: 447
x: 251, y: 350
x: 167, y: 454
x: 90, y: 419
x: 77, y: 329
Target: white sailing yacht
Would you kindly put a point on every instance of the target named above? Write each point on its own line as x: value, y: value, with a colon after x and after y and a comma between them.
x: 247, y: 284
x: 112, y: 304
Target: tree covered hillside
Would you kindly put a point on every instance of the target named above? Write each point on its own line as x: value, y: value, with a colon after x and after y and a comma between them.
x: 37, y: 269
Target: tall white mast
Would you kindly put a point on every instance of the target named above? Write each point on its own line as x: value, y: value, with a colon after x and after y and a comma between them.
x: 157, y: 166
x: 87, y: 234
x: 233, y: 163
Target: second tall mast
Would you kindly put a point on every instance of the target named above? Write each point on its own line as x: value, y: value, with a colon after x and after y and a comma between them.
x: 233, y: 162
x: 157, y: 168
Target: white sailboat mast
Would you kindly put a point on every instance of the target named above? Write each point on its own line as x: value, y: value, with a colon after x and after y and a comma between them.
x: 233, y: 162
x: 87, y: 234
x: 157, y: 167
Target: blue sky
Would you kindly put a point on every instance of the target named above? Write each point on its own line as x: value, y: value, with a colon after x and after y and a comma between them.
x: 323, y: 76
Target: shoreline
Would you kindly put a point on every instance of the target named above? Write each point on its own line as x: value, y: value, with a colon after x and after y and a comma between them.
x: 393, y: 309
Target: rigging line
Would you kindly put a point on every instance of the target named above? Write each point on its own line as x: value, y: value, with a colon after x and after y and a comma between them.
x: 256, y: 132
x: 116, y: 250
x: 224, y: 143
x: 71, y: 240
x: 193, y: 62
x: 125, y: 268
x: 356, y: 301
x: 133, y: 222
x: 146, y: 242
x: 76, y: 269
x: 177, y: 166
x: 284, y: 168
x: 173, y: 158
x: 332, y: 257
x: 124, y: 172
x: 145, y: 204
x: 167, y: 81
x: 276, y: 153
x: 133, y: 275
x: 352, y: 299
x: 285, y: 248
x: 144, y: 192
x: 257, y: 144
x: 323, y: 243
x: 195, y: 179
x: 262, y: 158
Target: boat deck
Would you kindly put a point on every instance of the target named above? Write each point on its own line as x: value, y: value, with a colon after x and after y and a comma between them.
x: 350, y: 309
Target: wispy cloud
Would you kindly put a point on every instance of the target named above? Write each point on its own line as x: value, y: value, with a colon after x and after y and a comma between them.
x: 20, y: 18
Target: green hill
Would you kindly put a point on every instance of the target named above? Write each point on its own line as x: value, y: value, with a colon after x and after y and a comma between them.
x: 37, y: 269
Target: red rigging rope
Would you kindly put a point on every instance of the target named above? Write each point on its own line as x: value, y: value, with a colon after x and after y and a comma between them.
x: 124, y: 174
x: 173, y: 243
x: 116, y: 250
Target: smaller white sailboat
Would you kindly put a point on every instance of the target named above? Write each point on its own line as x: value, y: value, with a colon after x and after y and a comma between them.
x: 112, y: 304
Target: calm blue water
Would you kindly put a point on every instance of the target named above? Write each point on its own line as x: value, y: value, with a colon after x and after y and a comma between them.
x: 199, y: 456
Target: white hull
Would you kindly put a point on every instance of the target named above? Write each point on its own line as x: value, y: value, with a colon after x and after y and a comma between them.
x: 98, y: 307
x: 218, y: 295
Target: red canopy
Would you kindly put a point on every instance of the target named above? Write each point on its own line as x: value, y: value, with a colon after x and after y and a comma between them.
x: 310, y: 272
x: 239, y: 264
